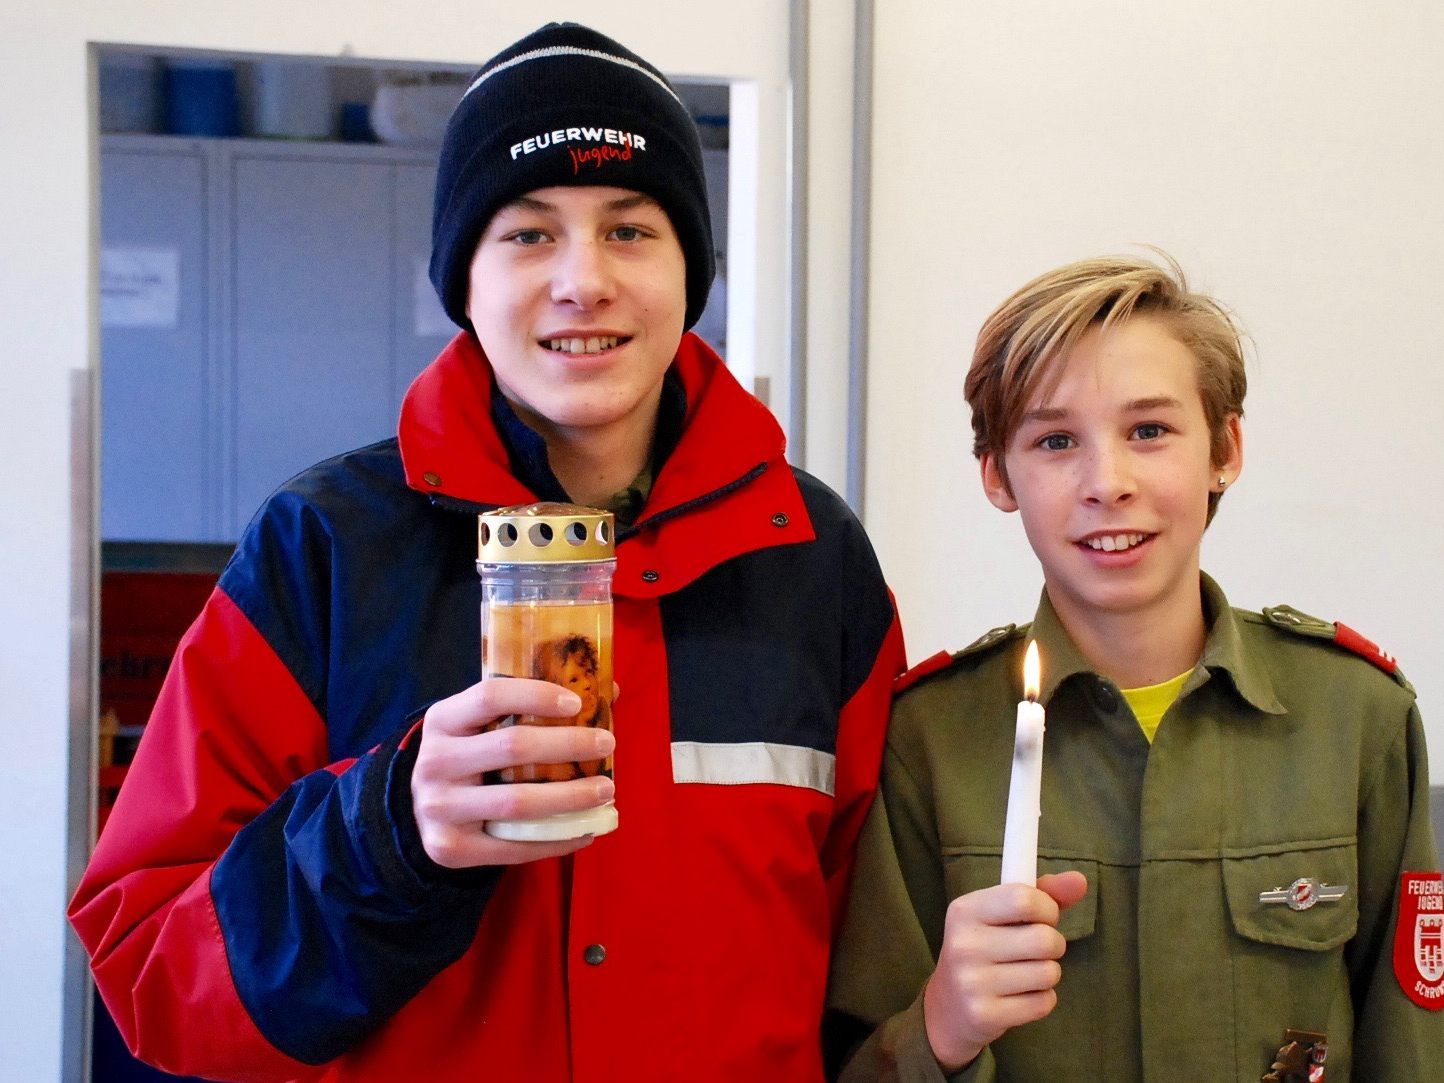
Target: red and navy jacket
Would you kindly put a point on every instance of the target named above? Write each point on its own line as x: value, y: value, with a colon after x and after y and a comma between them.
x: 259, y: 906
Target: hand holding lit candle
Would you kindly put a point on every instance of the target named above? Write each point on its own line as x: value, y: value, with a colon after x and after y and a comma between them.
x: 1020, y: 830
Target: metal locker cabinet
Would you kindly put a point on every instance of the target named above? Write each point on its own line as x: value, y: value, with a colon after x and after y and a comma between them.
x: 157, y: 464
x: 312, y: 288
x: 422, y: 326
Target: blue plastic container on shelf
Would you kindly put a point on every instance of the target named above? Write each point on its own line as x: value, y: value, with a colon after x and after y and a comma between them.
x: 129, y: 92
x: 200, y: 99
x: 356, y: 122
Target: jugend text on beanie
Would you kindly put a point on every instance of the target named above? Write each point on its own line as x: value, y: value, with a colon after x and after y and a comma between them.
x: 625, y: 141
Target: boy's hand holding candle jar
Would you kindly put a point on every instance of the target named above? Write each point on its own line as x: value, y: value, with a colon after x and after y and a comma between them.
x: 518, y: 767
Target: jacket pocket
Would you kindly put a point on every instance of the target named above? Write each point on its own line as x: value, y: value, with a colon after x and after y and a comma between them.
x: 1080, y: 919
x: 1066, y: 1043
x: 971, y: 869
x: 1288, y: 963
x: 1319, y: 926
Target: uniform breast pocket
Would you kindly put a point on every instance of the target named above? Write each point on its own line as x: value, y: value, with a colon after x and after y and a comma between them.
x: 969, y: 869
x: 1292, y: 911
x: 1062, y: 1045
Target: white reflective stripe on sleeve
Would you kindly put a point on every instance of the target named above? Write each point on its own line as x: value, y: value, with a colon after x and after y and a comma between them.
x: 742, y: 763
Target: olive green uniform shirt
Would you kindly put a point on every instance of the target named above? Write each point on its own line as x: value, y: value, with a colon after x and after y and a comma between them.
x: 1284, y: 756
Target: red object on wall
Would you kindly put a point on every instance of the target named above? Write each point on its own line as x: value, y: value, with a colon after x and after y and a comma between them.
x: 142, y: 618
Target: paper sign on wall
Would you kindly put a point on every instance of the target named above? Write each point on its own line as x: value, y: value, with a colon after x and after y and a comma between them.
x: 140, y: 287
x: 428, y: 317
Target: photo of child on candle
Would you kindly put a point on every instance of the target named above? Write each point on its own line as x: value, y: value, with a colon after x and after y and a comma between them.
x: 571, y: 661
x: 1235, y: 855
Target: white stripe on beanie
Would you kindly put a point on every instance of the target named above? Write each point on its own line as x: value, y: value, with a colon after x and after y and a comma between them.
x: 570, y: 50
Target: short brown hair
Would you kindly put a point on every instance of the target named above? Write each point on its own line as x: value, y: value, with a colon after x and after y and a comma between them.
x: 1020, y: 343
x: 555, y: 652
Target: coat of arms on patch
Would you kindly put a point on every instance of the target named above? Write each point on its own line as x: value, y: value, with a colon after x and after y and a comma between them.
x: 1419, y: 939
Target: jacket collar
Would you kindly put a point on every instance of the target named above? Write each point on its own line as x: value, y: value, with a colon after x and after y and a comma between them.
x: 1223, y: 652
x: 725, y: 490
x: 531, y: 463
x: 451, y: 446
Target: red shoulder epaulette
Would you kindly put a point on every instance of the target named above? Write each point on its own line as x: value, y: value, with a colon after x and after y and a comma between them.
x: 1349, y: 639
x: 940, y: 661
x: 903, y: 681
x: 1342, y: 635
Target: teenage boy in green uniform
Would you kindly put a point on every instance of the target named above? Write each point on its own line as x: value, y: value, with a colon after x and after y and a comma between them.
x: 1234, y: 835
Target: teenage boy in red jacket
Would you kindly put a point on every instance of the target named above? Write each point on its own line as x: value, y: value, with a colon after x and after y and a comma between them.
x: 295, y: 882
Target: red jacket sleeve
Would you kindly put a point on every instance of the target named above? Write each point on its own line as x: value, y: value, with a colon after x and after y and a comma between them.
x: 860, y: 734
x: 144, y: 908
x: 252, y: 910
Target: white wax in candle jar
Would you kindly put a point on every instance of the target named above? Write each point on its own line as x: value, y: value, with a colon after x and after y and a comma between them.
x: 1020, y: 830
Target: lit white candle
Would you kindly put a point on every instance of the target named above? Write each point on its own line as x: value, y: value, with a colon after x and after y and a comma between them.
x: 1020, y: 830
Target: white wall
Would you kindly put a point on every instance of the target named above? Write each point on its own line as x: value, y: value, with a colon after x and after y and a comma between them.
x: 1289, y: 155
x: 46, y: 227
x: 829, y: 210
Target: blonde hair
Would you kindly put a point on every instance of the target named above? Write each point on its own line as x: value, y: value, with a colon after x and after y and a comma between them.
x: 1020, y: 344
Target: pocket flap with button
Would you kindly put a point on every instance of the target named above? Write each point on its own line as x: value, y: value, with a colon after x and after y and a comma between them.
x: 1079, y: 920
x: 1321, y: 926
x: 968, y: 869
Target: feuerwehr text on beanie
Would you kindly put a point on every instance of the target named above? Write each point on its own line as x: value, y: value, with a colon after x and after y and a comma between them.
x: 566, y: 105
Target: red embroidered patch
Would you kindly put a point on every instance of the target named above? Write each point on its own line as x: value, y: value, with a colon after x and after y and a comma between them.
x: 1346, y: 637
x: 1419, y: 939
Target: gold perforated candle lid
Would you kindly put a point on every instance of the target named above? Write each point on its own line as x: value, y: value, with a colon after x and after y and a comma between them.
x: 546, y: 534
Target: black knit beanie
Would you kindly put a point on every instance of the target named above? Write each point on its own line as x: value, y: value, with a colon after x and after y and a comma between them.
x: 566, y: 105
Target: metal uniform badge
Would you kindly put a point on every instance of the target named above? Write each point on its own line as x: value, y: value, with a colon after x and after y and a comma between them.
x: 1304, y: 893
x: 1300, y: 1059
x: 1419, y: 939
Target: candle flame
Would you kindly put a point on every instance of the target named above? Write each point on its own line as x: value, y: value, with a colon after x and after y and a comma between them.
x: 1032, y: 671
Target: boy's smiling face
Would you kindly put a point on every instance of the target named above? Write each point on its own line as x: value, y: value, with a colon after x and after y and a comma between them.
x: 1110, y: 469
x: 578, y: 297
